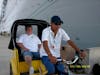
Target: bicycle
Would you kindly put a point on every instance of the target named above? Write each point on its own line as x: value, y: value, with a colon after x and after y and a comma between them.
x: 66, y: 64
x: 73, y: 64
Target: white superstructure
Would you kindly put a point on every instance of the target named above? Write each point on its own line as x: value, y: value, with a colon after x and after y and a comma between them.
x: 81, y: 17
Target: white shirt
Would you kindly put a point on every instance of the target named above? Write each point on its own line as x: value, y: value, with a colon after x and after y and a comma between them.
x: 54, y: 43
x: 30, y: 41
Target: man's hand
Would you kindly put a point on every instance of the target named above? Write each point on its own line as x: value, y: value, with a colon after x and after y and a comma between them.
x: 53, y: 59
x: 82, y: 54
x: 26, y: 49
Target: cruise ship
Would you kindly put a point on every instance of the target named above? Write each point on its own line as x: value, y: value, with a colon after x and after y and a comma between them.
x: 81, y: 17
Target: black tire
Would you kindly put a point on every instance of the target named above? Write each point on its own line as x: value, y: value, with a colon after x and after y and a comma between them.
x: 96, y: 69
x: 11, y: 73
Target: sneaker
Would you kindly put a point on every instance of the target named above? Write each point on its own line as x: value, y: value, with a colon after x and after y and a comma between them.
x: 31, y: 71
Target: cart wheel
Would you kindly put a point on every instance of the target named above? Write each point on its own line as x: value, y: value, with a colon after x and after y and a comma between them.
x: 11, y: 73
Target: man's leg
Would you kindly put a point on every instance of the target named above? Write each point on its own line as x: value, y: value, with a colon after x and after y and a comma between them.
x: 28, y: 59
x: 60, y: 68
x: 49, y: 66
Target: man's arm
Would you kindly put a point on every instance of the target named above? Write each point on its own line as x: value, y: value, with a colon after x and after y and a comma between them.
x: 46, y: 48
x: 81, y: 54
x: 22, y: 46
x: 71, y: 43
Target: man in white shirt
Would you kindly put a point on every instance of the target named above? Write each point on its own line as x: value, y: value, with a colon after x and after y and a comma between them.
x: 51, y: 39
x: 30, y: 45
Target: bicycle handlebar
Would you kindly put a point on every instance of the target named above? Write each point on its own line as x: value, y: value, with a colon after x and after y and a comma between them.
x: 69, y: 62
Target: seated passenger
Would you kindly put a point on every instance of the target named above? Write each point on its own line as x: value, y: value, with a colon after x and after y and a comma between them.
x: 30, y: 45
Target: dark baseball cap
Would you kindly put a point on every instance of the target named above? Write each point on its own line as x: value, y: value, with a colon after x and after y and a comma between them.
x: 56, y: 20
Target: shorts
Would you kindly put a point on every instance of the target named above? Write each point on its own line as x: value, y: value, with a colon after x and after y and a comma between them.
x: 53, y: 67
x: 32, y: 54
